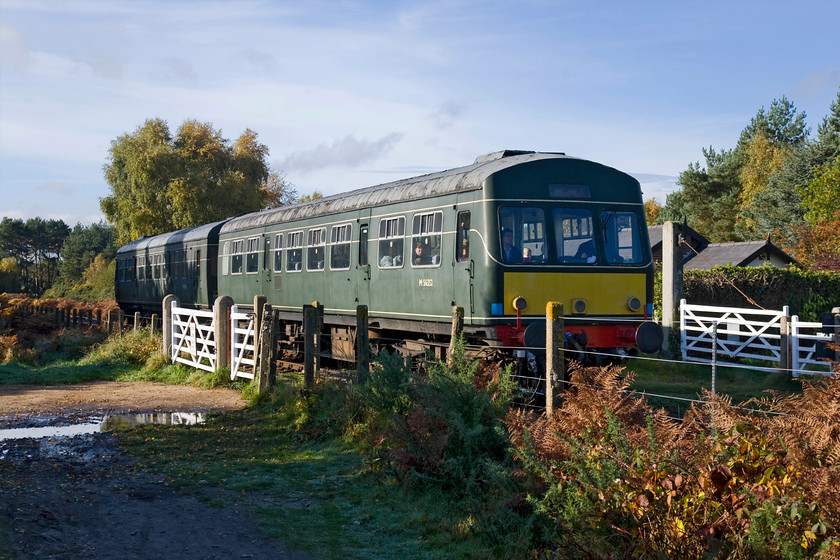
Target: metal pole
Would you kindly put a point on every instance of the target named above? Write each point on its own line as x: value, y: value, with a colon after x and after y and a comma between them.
x: 714, y: 370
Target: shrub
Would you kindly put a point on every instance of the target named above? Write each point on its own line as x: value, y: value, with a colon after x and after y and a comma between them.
x: 613, y: 478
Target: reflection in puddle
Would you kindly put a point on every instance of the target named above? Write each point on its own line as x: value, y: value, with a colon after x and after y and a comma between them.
x: 105, y: 424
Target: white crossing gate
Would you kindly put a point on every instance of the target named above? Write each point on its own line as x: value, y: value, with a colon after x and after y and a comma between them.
x: 242, y: 344
x: 772, y: 336
x: 809, y: 340
x: 193, y: 338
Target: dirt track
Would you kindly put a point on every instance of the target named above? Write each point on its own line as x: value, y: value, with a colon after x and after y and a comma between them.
x: 80, y: 497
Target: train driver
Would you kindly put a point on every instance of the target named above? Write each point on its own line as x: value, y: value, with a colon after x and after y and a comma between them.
x: 510, y: 252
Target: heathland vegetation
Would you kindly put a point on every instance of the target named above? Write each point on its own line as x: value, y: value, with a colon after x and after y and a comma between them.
x: 442, y: 463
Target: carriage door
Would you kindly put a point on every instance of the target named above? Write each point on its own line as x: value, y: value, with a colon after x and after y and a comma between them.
x: 363, y: 264
x: 464, y: 266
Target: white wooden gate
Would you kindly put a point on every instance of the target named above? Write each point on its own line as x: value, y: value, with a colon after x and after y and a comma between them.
x: 242, y: 344
x: 193, y: 338
x: 808, y: 338
x: 751, y: 333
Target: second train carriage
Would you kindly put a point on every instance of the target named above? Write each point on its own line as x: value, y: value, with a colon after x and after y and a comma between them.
x: 500, y: 238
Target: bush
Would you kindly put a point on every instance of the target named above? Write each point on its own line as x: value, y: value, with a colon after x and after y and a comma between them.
x: 807, y: 293
x: 613, y: 478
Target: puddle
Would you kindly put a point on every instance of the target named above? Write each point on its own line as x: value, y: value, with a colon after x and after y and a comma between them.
x: 104, y: 424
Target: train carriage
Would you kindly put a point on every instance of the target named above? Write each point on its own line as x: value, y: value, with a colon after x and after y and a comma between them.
x: 182, y: 263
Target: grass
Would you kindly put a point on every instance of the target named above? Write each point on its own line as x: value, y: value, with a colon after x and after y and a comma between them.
x: 314, y: 496
x: 686, y: 380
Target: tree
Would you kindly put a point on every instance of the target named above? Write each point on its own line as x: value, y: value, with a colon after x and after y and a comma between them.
x: 822, y: 197
x: 781, y: 125
x: 652, y: 211
x: 278, y: 191
x: 81, y: 248
x: 307, y: 197
x: 162, y: 183
x: 9, y: 275
x: 762, y: 159
x: 35, y: 246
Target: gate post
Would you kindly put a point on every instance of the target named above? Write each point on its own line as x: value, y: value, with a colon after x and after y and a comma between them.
x: 260, y: 302
x: 457, y: 329
x: 554, y: 353
x: 268, y: 363
x: 310, y: 332
x: 785, y: 362
x: 221, y: 332
x: 168, y: 302
x: 362, y: 344
x: 672, y: 284
x: 136, y: 320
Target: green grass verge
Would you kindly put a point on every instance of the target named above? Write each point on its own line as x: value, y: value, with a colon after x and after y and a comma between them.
x: 687, y: 380
x: 314, y: 496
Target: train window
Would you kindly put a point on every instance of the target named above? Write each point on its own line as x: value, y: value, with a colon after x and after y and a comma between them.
x: 225, y: 257
x: 315, y: 248
x: 391, y: 234
x: 363, y: 248
x: 141, y: 268
x: 425, y: 239
x: 158, y: 267
x: 569, y: 191
x: 522, y: 234
x: 236, y: 256
x: 621, y: 237
x: 575, y: 236
x: 294, y: 252
x: 340, y: 237
x: 278, y: 252
x: 252, y: 259
x: 462, y: 237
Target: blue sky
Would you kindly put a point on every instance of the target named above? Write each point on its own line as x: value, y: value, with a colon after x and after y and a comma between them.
x: 355, y: 93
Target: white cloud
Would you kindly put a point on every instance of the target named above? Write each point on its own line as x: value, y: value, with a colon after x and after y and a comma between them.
x: 344, y: 152
x: 13, y: 51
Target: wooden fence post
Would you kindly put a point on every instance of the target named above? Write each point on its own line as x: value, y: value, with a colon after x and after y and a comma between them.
x: 672, y: 286
x: 221, y: 320
x: 362, y: 344
x: 136, y: 320
x: 260, y: 302
x: 152, y: 322
x: 554, y: 353
x: 457, y: 329
x: 99, y: 319
x: 268, y: 358
x: 785, y: 358
x: 310, y: 331
x: 836, y: 338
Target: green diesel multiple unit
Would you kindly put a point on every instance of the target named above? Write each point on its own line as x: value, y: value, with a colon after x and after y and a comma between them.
x: 500, y: 238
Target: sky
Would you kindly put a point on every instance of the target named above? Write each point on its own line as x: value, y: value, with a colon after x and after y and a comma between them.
x: 349, y: 94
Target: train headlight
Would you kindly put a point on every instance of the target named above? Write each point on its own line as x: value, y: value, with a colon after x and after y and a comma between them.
x: 579, y: 305
x: 634, y: 303
x: 519, y: 303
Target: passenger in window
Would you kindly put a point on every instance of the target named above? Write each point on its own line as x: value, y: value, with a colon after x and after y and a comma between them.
x: 586, y: 252
x: 510, y: 252
x: 526, y: 255
x: 392, y: 259
x: 421, y: 254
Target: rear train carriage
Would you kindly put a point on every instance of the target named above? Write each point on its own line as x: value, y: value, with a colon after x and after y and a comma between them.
x: 500, y: 238
x: 182, y: 263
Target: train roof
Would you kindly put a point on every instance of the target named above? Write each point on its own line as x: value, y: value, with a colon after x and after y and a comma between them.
x: 460, y: 179
x: 180, y: 236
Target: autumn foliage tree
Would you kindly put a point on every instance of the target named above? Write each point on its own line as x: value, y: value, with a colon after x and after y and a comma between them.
x: 161, y: 182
